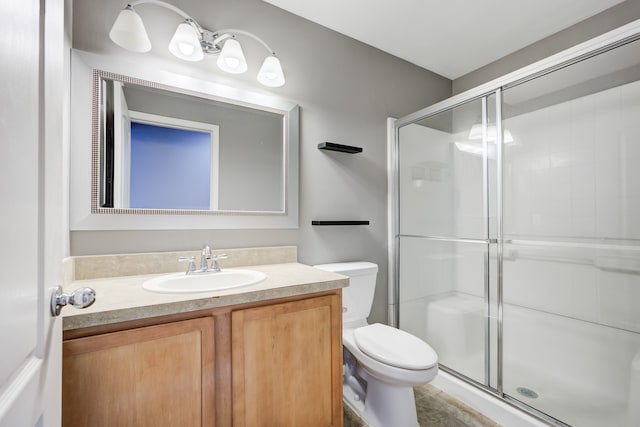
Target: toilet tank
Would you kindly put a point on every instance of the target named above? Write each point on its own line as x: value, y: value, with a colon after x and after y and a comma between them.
x: 357, y: 298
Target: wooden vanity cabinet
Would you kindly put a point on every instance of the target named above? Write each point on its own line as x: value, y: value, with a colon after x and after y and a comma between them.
x: 287, y: 364
x: 153, y: 376
x: 272, y: 363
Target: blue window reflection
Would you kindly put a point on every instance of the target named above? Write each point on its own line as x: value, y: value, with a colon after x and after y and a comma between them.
x: 170, y: 168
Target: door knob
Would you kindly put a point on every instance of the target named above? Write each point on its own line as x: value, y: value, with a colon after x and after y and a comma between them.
x: 80, y: 298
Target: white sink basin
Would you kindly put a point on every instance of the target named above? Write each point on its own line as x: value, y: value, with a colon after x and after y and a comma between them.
x: 180, y: 283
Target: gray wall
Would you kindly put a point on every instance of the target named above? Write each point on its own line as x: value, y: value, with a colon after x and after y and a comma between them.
x: 610, y: 19
x: 345, y: 89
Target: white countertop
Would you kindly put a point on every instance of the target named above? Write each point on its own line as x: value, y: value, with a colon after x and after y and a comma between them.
x: 120, y: 299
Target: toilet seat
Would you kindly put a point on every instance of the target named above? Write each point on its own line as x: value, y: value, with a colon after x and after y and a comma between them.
x: 395, y: 347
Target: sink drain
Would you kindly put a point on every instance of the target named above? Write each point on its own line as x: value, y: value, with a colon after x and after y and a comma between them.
x: 527, y: 392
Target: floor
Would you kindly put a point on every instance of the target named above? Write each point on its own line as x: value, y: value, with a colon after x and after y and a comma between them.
x: 435, y: 409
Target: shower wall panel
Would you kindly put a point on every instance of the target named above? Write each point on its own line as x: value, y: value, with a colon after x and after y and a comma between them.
x: 426, y: 182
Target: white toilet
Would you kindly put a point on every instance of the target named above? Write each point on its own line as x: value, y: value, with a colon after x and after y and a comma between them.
x: 381, y: 364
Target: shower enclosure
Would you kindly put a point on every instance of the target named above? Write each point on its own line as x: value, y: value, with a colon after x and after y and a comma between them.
x: 516, y: 250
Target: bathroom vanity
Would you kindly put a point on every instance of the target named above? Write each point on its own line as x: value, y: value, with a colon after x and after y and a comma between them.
x: 263, y: 355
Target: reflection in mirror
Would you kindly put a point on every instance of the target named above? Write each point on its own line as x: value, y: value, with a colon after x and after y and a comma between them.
x: 160, y: 148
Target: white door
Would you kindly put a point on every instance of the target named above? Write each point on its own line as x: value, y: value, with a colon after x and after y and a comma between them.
x: 31, y: 226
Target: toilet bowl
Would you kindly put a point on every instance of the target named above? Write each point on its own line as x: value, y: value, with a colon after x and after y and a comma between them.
x: 382, y: 364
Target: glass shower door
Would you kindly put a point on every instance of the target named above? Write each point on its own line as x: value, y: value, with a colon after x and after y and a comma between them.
x: 518, y: 252
x: 571, y: 264
x: 444, y: 237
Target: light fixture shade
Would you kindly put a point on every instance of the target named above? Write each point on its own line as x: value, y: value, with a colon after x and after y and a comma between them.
x: 185, y: 43
x: 231, y: 58
x: 270, y: 73
x: 476, y: 133
x: 129, y: 33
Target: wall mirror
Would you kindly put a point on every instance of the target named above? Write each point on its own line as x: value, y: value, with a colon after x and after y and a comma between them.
x: 152, y: 149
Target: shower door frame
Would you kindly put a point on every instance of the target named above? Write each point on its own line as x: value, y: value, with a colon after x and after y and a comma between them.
x: 606, y: 42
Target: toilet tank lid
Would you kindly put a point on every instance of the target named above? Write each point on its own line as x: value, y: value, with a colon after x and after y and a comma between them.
x: 351, y: 269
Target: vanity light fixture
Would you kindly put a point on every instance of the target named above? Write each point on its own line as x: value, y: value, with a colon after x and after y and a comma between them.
x: 191, y: 41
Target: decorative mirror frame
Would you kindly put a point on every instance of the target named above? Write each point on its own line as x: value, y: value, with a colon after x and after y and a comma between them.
x: 85, y: 213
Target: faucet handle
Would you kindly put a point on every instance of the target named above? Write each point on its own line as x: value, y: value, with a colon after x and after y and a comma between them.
x: 214, y: 262
x: 192, y: 263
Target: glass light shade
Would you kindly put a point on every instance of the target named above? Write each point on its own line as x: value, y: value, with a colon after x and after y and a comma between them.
x: 476, y: 133
x: 270, y: 73
x: 185, y: 43
x: 469, y: 147
x: 129, y: 33
x: 231, y: 58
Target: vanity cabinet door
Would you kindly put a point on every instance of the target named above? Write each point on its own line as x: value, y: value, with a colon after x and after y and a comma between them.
x: 287, y: 364
x: 159, y: 375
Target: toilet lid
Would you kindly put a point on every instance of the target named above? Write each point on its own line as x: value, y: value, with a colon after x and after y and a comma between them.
x: 395, y: 347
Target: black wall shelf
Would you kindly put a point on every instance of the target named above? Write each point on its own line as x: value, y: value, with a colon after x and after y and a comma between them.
x: 331, y: 146
x: 339, y: 222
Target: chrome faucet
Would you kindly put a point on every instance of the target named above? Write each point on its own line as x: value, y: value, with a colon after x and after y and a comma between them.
x: 205, y: 257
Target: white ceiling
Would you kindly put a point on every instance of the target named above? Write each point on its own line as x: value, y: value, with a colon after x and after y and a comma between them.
x: 449, y: 37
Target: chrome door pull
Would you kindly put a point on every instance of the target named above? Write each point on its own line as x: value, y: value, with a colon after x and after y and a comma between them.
x: 80, y: 298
